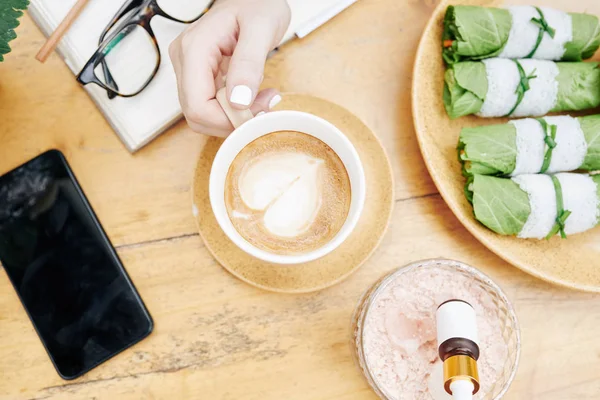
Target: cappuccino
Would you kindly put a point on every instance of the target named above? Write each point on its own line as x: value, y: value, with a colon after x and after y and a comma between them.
x: 287, y: 193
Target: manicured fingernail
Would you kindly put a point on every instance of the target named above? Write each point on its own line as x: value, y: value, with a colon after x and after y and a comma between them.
x: 274, y: 101
x: 241, y: 95
x: 260, y: 113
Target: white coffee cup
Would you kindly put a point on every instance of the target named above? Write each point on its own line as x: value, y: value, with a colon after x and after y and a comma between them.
x: 284, y: 121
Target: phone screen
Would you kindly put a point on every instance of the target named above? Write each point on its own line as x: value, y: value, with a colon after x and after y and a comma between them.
x: 64, y: 269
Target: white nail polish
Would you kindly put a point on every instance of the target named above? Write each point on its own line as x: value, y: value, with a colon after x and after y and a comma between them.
x: 274, y: 101
x: 260, y: 113
x: 241, y: 95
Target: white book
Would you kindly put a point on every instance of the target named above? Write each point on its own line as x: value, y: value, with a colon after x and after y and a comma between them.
x: 140, y: 119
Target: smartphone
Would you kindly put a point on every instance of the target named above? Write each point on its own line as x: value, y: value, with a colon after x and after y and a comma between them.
x: 67, y: 274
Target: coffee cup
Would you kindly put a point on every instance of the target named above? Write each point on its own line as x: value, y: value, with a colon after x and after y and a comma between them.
x: 248, y: 130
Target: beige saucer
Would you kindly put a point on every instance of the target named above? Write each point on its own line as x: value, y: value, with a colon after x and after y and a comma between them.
x: 337, y: 265
x: 572, y: 262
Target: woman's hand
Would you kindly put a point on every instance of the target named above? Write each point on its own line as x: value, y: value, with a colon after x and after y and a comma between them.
x: 233, y: 39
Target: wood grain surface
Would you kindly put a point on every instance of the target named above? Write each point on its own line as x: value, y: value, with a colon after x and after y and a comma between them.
x: 217, y: 337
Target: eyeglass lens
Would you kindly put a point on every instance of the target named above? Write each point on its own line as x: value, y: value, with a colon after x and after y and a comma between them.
x: 132, y: 57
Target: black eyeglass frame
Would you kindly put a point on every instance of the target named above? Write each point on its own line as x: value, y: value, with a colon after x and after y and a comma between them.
x: 140, y: 13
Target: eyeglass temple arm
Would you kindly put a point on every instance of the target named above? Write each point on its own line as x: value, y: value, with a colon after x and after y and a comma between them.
x: 109, y: 81
x: 125, y: 8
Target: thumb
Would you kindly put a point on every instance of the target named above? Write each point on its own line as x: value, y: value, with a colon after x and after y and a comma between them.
x: 247, y: 63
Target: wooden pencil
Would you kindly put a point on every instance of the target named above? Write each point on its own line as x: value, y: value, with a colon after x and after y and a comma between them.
x: 60, y: 31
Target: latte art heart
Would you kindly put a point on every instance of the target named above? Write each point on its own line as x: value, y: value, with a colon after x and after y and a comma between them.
x: 288, y: 193
x: 286, y: 186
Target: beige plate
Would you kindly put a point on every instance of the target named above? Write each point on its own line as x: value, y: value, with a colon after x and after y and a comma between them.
x: 572, y: 262
x: 337, y: 265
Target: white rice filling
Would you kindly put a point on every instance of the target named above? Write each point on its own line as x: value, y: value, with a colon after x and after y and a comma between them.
x: 503, y: 78
x: 571, y: 147
x: 542, y: 200
x: 531, y: 147
x: 553, y: 48
x: 579, y: 197
x: 523, y: 34
x: 543, y: 92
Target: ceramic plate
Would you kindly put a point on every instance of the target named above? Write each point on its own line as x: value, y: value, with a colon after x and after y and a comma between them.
x: 573, y: 262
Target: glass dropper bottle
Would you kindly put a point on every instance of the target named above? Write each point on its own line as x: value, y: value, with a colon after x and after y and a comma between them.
x: 458, y: 346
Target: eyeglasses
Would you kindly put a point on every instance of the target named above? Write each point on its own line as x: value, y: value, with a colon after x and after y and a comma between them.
x: 128, y: 56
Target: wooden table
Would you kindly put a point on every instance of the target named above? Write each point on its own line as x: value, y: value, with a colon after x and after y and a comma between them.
x: 216, y: 337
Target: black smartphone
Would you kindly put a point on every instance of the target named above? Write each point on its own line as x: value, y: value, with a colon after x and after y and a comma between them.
x: 67, y: 274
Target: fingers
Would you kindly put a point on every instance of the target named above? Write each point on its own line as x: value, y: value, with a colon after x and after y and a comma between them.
x: 232, y: 40
x: 221, y: 75
x: 265, y: 101
x: 255, y: 41
x: 197, y: 56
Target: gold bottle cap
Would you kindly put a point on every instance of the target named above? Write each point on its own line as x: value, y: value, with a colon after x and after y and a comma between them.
x: 460, y: 367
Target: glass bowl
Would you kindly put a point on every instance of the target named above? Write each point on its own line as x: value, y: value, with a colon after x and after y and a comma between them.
x: 504, y: 310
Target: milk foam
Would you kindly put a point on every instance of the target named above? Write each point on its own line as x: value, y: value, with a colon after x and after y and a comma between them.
x: 288, y: 193
x: 286, y: 186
